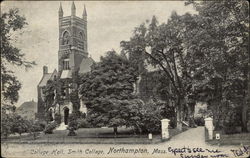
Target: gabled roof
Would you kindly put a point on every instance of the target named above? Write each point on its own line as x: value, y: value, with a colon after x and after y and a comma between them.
x: 85, y: 65
x: 47, y: 77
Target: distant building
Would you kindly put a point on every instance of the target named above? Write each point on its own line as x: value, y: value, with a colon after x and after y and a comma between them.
x: 72, y: 57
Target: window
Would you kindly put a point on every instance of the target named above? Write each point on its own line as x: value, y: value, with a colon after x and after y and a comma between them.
x: 65, y: 38
x: 81, y: 35
x: 66, y: 64
x: 81, y: 41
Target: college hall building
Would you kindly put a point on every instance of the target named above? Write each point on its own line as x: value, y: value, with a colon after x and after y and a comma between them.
x: 72, y: 56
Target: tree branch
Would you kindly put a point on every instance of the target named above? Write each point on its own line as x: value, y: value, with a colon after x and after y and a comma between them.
x: 164, y: 69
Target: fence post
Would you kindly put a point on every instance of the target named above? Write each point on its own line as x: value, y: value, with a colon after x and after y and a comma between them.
x: 209, y: 126
x: 164, y: 129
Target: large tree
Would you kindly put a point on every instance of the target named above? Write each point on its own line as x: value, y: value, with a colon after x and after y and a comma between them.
x: 163, y: 46
x: 11, y: 23
x: 108, y: 94
x: 204, y: 55
x: 220, y: 50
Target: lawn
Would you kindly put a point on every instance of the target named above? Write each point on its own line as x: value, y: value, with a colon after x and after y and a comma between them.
x: 229, y: 139
x: 92, y: 136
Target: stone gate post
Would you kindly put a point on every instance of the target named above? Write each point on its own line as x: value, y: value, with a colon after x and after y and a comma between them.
x: 164, y: 129
x: 209, y: 126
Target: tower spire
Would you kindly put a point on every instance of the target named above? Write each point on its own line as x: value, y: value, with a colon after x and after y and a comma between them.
x: 60, y: 12
x: 73, y: 9
x: 84, y: 11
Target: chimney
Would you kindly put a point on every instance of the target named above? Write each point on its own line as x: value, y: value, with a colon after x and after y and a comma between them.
x: 45, y: 69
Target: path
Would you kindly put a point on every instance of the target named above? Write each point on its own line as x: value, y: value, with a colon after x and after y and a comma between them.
x: 192, y: 137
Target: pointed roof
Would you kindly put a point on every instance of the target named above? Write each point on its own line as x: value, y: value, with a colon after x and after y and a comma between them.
x: 46, y: 77
x: 73, y: 7
x: 60, y: 8
x: 84, y: 11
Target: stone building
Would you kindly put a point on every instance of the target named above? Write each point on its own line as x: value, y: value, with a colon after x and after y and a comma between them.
x: 73, y: 57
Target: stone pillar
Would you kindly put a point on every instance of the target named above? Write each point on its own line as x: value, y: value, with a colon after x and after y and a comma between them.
x: 209, y: 126
x: 164, y: 129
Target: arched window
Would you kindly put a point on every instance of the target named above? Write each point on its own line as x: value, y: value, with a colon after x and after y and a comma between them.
x: 81, y: 35
x: 81, y: 41
x: 65, y: 38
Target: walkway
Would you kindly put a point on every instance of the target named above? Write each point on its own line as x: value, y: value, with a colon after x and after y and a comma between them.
x: 192, y: 137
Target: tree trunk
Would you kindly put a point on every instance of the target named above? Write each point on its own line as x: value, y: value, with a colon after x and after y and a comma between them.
x: 115, y: 131
x: 179, y: 113
x: 179, y: 120
x: 191, y: 108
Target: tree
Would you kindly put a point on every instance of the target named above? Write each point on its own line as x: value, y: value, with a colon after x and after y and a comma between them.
x: 20, y: 125
x: 107, y: 92
x: 163, y: 46
x: 10, y: 23
x: 221, y: 42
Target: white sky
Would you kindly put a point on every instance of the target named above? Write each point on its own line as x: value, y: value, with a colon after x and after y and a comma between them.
x: 109, y: 23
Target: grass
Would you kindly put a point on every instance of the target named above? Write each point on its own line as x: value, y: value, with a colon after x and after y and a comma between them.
x: 93, y: 136
x: 229, y: 139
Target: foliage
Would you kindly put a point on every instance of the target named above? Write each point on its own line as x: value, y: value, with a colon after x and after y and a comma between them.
x: 110, y: 99
x: 6, y: 125
x: 58, y: 118
x: 163, y: 47
x: 13, y: 123
x: 199, y: 121
x: 83, y: 123
x: 48, y: 116
x: 35, y: 127
x: 55, y: 93
x: 229, y: 117
x: 20, y: 125
x: 212, y: 66
x: 73, y: 124
x: 50, y: 127
x: 152, y: 113
x: 154, y: 85
x: 219, y: 48
x: 11, y: 23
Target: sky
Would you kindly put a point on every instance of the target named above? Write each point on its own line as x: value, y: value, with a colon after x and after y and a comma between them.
x: 109, y: 23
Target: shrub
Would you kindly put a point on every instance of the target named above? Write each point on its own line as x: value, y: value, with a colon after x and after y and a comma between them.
x: 48, y: 117
x: 199, y: 121
x: 232, y: 120
x: 6, y: 125
x: 41, y: 124
x: 82, y: 123
x: 58, y: 118
x: 72, y: 126
x: 50, y: 127
x: 152, y: 114
x: 35, y: 127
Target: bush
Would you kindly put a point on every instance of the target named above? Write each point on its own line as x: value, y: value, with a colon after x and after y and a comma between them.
x: 152, y: 114
x: 41, y: 124
x: 232, y: 120
x: 199, y: 121
x: 82, y: 123
x: 50, y: 127
x: 58, y: 118
x: 72, y: 126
